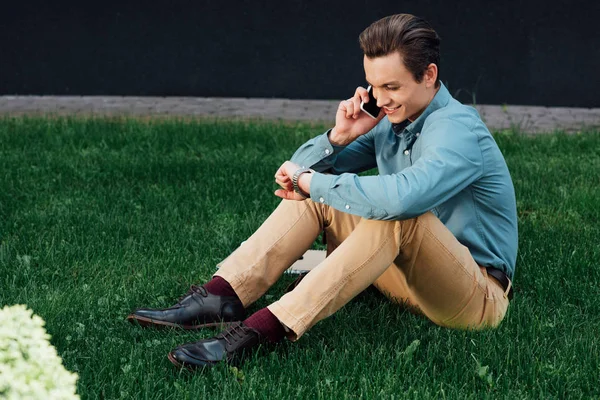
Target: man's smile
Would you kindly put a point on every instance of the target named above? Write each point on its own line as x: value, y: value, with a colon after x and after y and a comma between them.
x: 389, y: 110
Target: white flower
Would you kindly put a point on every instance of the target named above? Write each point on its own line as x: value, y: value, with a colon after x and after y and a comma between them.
x: 30, y: 368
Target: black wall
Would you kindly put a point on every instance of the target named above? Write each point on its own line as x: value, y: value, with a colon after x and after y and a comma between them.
x: 538, y: 52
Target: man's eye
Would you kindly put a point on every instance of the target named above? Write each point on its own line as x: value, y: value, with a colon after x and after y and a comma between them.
x: 391, y: 88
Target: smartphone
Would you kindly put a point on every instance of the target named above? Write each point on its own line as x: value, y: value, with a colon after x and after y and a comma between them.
x: 371, y: 107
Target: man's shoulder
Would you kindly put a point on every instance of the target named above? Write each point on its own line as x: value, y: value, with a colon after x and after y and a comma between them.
x: 455, y: 114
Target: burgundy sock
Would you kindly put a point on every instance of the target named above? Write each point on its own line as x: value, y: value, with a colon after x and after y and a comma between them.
x: 219, y: 287
x: 267, y: 324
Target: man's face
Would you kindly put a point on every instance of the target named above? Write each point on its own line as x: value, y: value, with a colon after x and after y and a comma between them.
x: 395, y: 88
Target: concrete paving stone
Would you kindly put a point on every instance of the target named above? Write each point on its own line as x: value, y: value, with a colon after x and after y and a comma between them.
x: 530, y: 119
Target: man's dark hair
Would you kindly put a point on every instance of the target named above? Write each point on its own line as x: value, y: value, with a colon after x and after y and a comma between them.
x: 412, y: 37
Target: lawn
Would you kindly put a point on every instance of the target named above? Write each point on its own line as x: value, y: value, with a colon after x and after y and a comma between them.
x: 100, y: 216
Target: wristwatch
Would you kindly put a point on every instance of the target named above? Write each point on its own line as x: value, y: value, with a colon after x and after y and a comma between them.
x: 295, y: 178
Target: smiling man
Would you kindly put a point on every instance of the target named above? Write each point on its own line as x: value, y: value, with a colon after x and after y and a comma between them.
x: 435, y: 230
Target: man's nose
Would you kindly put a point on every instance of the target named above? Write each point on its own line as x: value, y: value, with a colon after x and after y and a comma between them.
x: 381, y: 98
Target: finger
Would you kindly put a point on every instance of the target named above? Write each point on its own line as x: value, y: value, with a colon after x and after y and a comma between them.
x: 285, y: 194
x: 356, y: 103
x: 349, y: 108
x: 285, y: 185
x: 279, y: 173
x: 362, y: 93
x: 280, y: 193
x: 282, y: 177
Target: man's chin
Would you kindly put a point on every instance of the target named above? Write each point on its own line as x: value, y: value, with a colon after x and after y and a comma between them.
x: 396, y: 118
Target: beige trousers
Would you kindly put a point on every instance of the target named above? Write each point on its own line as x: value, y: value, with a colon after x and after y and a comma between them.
x: 416, y: 261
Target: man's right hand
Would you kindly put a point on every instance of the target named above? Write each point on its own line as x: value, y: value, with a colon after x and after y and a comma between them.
x: 350, y: 121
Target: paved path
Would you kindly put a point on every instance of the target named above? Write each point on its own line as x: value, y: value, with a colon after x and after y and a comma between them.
x: 531, y: 119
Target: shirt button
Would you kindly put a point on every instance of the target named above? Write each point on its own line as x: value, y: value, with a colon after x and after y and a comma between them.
x: 418, y: 133
x: 406, y: 152
x: 347, y: 206
x: 327, y: 151
x: 322, y: 200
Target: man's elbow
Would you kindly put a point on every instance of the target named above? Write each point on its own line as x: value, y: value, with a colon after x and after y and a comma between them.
x: 398, y: 211
x: 386, y: 212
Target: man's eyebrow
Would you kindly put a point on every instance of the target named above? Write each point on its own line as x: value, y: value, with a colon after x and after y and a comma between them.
x: 392, y: 83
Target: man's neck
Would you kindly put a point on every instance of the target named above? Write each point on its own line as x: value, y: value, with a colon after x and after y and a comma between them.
x: 417, y: 115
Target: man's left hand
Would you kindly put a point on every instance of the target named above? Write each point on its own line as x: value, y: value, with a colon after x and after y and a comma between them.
x: 283, y: 177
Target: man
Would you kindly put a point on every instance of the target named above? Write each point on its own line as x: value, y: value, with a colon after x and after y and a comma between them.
x: 436, y: 229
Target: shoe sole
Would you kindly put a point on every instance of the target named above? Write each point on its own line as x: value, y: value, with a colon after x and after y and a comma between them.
x: 153, y: 323
x: 178, y: 364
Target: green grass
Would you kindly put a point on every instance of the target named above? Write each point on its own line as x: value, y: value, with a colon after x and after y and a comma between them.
x: 98, y: 217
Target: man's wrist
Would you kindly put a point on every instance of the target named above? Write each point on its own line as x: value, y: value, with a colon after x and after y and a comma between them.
x: 334, y: 138
x: 298, y: 187
x: 304, y: 183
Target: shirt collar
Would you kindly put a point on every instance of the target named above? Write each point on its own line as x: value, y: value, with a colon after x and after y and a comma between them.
x: 441, y: 99
x: 399, y: 128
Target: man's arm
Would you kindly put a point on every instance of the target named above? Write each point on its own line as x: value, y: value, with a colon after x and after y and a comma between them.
x: 451, y: 160
x: 322, y: 155
x: 349, y: 148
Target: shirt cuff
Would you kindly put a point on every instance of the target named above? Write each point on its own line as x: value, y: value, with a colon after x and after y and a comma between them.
x: 321, y: 149
x: 319, y: 187
x: 324, y: 148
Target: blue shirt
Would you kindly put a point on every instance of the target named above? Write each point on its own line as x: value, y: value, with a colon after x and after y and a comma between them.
x: 446, y: 162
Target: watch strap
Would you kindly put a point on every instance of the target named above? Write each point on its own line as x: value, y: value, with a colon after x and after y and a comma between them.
x: 295, y: 178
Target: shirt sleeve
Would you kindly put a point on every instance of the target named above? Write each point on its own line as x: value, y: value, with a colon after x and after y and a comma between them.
x: 322, y: 156
x: 451, y: 159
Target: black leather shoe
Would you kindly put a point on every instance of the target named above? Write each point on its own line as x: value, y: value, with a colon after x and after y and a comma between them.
x: 229, y: 346
x: 196, y: 309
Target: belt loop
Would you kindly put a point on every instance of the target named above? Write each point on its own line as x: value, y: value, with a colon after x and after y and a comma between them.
x: 507, y: 288
x: 487, y: 278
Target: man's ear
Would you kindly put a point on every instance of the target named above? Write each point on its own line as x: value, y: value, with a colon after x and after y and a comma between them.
x: 431, y: 74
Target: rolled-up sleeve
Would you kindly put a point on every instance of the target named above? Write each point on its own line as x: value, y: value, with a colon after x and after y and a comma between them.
x: 451, y: 159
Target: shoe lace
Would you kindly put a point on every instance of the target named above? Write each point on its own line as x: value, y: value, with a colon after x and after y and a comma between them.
x: 234, y: 332
x: 194, y: 289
